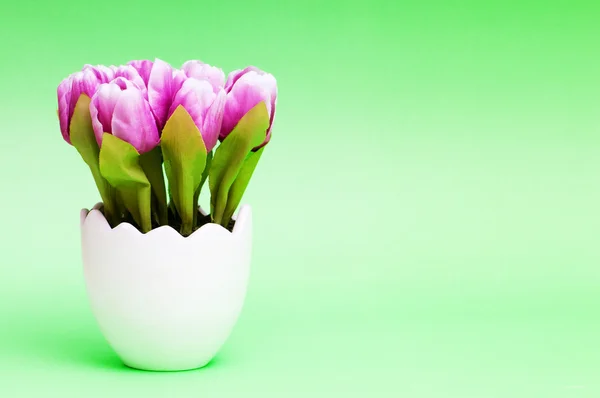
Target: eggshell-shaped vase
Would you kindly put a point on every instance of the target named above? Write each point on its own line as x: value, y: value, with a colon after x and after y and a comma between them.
x: 165, y: 302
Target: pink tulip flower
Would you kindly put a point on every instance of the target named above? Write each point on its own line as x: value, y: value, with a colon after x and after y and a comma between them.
x: 245, y: 89
x: 204, y: 104
x: 121, y: 109
x: 70, y: 89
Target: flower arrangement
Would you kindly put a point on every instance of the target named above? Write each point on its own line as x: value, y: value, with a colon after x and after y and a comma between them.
x: 136, y: 124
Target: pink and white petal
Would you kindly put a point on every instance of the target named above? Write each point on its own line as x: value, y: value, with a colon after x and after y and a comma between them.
x: 233, y: 77
x: 96, y: 123
x: 143, y: 67
x: 64, y: 96
x: 75, y: 91
x: 89, y: 82
x: 124, y: 83
x: 130, y: 73
x: 179, y: 77
x: 202, y: 71
x: 104, y: 74
x: 160, y: 90
x: 107, y: 73
x: 104, y: 102
x: 273, y: 85
x: 213, y: 120
x: 133, y: 121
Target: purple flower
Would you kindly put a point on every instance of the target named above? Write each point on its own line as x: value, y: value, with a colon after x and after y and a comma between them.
x: 70, y: 89
x: 204, y: 104
x: 121, y: 109
x: 245, y: 89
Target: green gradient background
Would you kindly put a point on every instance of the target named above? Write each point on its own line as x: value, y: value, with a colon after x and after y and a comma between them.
x: 426, y: 215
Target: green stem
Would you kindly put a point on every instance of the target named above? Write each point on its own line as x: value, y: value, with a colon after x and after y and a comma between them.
x: 151, y: 163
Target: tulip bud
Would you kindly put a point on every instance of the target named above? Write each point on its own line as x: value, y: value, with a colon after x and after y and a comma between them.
x: 204, y: 105
x: 245, y: 89
x: 70, y: 89
x: 120, y: 108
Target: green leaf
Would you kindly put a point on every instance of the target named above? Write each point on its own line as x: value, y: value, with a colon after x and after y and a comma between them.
x: 151, y: 163
x: 120, y: 166
x: 83, y: 139
x: 240, y: 184
x: 231, y: 155
x: 185, y: 156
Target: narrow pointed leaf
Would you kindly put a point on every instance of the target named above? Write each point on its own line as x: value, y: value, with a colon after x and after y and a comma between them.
x: 240, y: 184
x: 184, y: 154
x: 230, y: 156
x: 83, y: 139
x: 120, y: 166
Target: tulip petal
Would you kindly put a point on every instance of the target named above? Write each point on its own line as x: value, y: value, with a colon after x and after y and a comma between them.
x: 82, y: 82
x: 213, y: 120
x: 102, y: 107
x: 89, y: 81
x: 107, y: 73
x: 143, y: 67
x: 160, y: 90
x: 179, y: 77
x: 64, y: 94
x: 201, y: 71
x: 233, y: 77
x: 272, y: 117
x: 133, y: 121
x: 130, y: 73
x: 124, y: 83
x: 103, y: 73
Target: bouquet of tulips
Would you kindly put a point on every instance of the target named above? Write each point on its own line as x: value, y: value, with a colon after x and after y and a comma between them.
x: 137, y: 123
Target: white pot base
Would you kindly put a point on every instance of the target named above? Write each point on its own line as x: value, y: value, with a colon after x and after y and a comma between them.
x: 164, y: 302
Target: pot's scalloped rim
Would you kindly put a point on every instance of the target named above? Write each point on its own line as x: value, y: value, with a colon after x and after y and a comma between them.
x: 241, y: 219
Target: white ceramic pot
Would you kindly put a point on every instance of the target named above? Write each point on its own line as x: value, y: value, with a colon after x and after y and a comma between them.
x: 162, y: 301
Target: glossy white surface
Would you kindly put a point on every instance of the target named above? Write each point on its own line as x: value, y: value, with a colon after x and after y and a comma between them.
x: 162, y: 301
